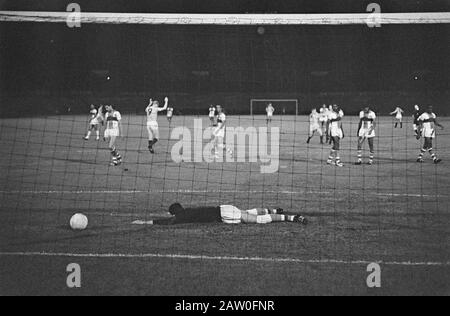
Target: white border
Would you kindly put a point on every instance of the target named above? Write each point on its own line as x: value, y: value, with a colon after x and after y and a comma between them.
x: 227, y: 19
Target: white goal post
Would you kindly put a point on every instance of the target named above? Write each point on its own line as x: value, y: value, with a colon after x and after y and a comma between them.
x: 276, y: 104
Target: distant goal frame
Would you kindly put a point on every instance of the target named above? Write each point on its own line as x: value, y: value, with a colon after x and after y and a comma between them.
x: 274, y: 100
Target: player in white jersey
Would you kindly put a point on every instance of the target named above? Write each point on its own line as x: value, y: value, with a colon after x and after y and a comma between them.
x: 113, y: 130
x: 336, y: 134
x: 169, y: 114
x: 366, y: 130
x: 329, y: 112
x: 314, y: 126
x: 428, y: 123
x: 212, y: 115
x: 323, y: 120
x: 95, y: 119
x: 398, y: 112
x: 219, y: 134
x: 269, y: 110
x: 152, y: 111
x: 416, y: 115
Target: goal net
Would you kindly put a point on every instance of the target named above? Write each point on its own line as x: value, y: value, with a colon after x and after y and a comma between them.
x: 53, y: 163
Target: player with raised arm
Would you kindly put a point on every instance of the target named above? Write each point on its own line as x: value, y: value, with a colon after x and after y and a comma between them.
x: 152, y: 111
x: 366, y: 130
x: 314, y: 126
x: 95, y: 119
x: 113, y: 130
x: 169, y: 114
x: 336, y: 134
x: 212, y: 115
x: 269, y: 110
x: 428, y: 122
x: 227, y: 214
x: 416, y: 124
x: 219, y: 134
x: 398, y: 112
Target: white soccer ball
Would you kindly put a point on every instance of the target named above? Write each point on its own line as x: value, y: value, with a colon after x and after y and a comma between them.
x: 79, y: 222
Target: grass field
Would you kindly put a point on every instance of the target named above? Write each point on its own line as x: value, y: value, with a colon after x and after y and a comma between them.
x: 395, y: 212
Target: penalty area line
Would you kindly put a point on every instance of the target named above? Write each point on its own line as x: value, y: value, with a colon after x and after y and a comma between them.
x: 221, y: 258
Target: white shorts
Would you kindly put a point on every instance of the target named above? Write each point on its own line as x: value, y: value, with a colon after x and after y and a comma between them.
x: 338, y: 133
x: 429, y: 133
x: 111, y: 132
x: 364, y: 132
x: 230, y: 214
x: 153, y: 129
x: 315, y: 128
x: 270, y: 115
x: 94, y: 122
x: 399, y: 117
x: 219, y: 132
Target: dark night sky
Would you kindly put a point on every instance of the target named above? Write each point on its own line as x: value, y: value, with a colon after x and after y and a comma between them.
x: 138, y: 58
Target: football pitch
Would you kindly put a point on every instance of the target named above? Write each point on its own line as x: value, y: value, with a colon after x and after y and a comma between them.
x: 395, y: 213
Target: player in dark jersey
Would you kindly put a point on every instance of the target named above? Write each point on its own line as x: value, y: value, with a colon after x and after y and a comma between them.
x: 227, y: 214
x: 417, y: 114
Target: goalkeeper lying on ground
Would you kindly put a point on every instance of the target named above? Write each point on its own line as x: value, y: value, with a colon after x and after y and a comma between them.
x: 224, y: 214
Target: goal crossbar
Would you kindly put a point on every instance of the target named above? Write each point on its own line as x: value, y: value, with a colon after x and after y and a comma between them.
x: 226, y: 19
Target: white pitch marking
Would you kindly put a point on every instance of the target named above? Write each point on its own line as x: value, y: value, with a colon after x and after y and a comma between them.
x: 30, y: 192
x: 220, y: 258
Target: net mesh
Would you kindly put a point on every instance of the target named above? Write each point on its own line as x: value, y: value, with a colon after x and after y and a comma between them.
x: 394, y: 211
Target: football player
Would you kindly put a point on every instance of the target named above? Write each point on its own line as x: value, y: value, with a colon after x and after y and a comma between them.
x: 169, y: 114
x: 227, y: 214
x: 212, y: 115
x: 95, y: 119
x: 314, y: 126
x: 366, y: 130
x: 416, y: 115
x: 336, y: 135
x: 269, y: 110
x: 113, y: 130
x: 152, y: 111
x: 398, y: 112
x: 428, y: 122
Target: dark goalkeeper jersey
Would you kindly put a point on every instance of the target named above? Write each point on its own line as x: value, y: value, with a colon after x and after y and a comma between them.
x: 416, y: 117
x: 193, y: 215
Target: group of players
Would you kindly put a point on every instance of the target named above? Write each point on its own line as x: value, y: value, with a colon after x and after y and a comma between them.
x: 328, y: 123
x: 112, y: 118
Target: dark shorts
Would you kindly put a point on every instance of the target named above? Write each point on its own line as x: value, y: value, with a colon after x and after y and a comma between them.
x: 371, y: 142
x: 428, y: 143
x: 336, y: 143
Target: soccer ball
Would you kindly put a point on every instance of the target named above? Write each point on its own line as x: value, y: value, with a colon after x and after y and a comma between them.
x: 79, y: 222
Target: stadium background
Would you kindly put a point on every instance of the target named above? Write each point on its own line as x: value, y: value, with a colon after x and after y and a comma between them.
x: 54, y: 67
